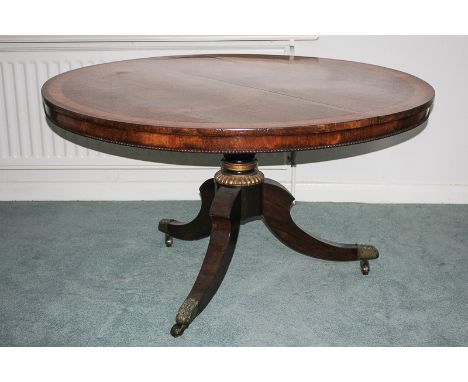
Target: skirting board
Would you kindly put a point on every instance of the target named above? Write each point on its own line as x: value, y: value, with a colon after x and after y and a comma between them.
x: 382, y: 193
x: 131, y: 183
x: 115, y: 188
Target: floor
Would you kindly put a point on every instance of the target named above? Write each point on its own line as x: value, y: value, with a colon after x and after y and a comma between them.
x: 99, y: 274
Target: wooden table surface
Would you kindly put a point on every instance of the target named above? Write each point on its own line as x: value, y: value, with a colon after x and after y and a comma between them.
x: 236, y: 103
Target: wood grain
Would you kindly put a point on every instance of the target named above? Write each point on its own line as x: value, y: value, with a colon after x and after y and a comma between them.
x: 276, y: 205
x: 236, y: 103
x: 200, y: 226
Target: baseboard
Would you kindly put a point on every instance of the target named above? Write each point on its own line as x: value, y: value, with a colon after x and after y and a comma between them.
x: 102, y: 191
x: 138, y: 183
x: 178, y: 189
x: 382, y: 193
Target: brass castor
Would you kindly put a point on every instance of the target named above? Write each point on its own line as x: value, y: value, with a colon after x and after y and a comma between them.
x: 178, y: 329
x: 168, y: 240
x: 365, y: 267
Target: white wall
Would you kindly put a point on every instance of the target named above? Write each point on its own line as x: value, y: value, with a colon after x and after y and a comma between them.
x: 431, y: 167
x: 36, y: 164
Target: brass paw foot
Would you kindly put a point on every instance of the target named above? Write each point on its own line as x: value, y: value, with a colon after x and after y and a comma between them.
x: 366, y: 253
x: 163, y: 223
x: 186, y: 314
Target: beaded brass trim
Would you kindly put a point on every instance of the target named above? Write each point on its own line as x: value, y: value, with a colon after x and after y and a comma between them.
x: 367, y: 252
x: 187, y: 312
x: 239, y: 179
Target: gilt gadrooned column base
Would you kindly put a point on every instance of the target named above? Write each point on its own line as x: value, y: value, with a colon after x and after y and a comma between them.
x: 239, y: 170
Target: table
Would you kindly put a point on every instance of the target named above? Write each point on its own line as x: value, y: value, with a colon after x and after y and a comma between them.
x: 238, y: 105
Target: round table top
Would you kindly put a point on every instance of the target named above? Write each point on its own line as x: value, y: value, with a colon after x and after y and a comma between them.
x: 236, y: 103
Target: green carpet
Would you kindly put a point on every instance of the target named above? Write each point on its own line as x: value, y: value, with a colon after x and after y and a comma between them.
x: 99, y: 274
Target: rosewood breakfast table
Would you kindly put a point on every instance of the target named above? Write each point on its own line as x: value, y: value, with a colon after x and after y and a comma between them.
x: 238, y: 105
